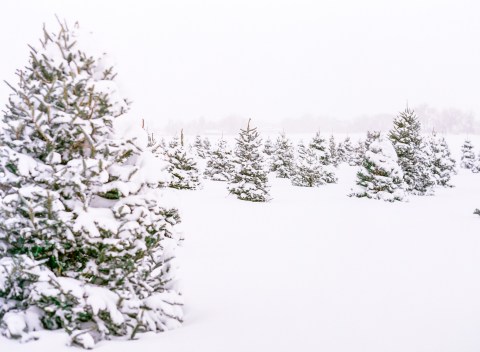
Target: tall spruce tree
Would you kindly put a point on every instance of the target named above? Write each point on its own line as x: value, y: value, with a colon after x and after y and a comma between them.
x: 412, y: 157
x: 467, y: 160
x: 250, y: 180
x: 380, y: 176
x: 219, y: 165
x: 183, y: 168
x: 283, y: 157
x: 84, y: 242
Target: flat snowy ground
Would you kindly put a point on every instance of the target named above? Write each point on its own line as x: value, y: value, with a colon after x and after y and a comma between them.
x: 315, y: 270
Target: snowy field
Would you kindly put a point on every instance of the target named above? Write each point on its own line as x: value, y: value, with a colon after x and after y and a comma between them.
x: 315, y: 270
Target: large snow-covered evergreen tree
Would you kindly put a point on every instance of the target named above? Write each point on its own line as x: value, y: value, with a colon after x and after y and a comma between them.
x: 283, y: 157
x: 250, y: 179
x: 85, y: 244
x: 219, y: 165
x: 380, y: 176
x: 183, y: 168
x: 308, y: 167
x: 412, y: 157
x: 467, y: 160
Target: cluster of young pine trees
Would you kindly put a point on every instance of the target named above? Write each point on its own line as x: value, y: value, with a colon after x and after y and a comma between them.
x: 403, y: 162
x: 246, y: 167
x: 391, y: 166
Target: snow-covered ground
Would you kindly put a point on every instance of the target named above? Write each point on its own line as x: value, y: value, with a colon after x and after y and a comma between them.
x: 315, y: 270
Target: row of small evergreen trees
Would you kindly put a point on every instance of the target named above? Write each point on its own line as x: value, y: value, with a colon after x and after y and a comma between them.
x: 403, y: 162
x: 391, y: 166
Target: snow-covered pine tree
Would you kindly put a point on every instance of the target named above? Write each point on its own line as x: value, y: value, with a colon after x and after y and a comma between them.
x: 358, y: 153
x: 349, y: 155
x: 183, y: 168
x: 371, y: 136
x: 159, y: 148
x: 268, y: 147
x: 283, y: 157
x: 219, y: 165
x: 268, y: 150
x: 332, y: 148
x: 207, y: 146
x: 250, y: 179
x: 308, y: 167
x: 412, y: 157
x: 198, y: 147
x: 341, y: 153
x: 468, y: 155
x: 380, y: 176
x: 476, y: 165
x: 442, y: 164
x: 362, y: 147
x: 319, y: 144
x: 84, y: 242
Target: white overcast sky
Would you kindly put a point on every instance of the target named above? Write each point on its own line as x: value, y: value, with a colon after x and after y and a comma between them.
x: 270, y: 60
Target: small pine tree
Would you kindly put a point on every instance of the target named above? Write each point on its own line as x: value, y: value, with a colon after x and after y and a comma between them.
x: 412, y: 154
x: 341, y: 153
x: 349, y: 152
x: 476, y: 165
x: 359, y: 153
x: 207, y: 146
x: 268, y: 148
x: 199, y: 147
x: 183, y: 168
x: 250, y: 180
x: 380, y: 176
x: 308, y: 167
x: 371, y: 136
x: 332, y: 148
x: 468, y: 155
x: 219, y: 165
x: 283, y: 158
x: 442, y: 164
x: 319, y: 144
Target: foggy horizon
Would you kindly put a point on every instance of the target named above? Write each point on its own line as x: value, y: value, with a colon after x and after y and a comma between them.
x: 333, y: 65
